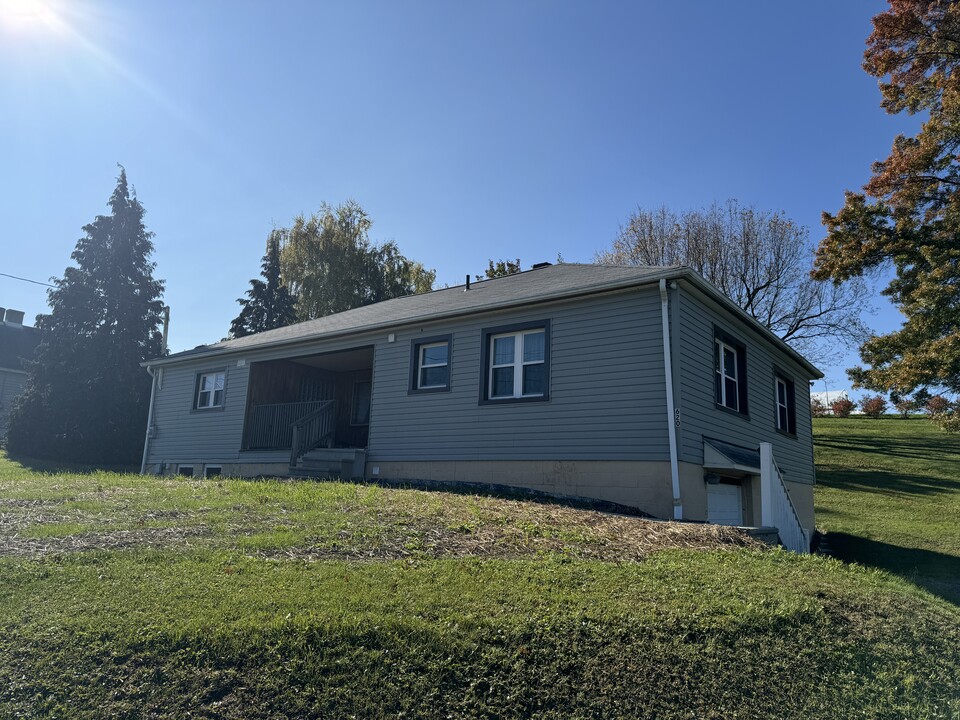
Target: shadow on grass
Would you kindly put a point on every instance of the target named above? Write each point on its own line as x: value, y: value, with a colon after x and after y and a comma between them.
x: 42, y: 465
x: 936, y: 572
x: 881, y: 481
x: 889, y: 446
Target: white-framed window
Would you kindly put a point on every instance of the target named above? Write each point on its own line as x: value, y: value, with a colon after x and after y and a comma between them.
x: 785, y: 403
x: 430, y: 365
x: 517, y: 364
x: 730, y: 367
x: 728, y: 392
x: 210, y: 390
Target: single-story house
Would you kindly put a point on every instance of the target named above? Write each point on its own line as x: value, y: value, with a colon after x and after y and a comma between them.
x: 642, y: 386
x: 17, y: 345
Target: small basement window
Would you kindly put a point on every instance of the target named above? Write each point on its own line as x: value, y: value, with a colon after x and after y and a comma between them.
x: 185, y: 471
x: 213, y: 471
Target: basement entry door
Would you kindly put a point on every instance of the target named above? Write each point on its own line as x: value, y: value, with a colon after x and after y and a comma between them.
x: 724, y: 504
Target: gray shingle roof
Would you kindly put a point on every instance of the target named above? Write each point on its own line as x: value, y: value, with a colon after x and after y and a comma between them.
x: 541, y: 284
x: 544, y: 283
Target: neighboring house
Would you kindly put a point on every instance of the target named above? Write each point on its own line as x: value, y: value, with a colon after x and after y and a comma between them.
x: 828, y: 397
x: 17, y: 343
x: 641, y: 386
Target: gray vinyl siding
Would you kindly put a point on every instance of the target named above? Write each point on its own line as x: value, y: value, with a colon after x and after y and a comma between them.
x: 185, y: 435
x: 606, y: 400
x: 700, y: 416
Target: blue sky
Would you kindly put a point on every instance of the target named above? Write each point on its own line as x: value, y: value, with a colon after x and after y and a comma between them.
x: 467, y: 131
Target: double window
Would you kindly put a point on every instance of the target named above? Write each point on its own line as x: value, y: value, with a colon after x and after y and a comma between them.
x: 430, y: 365
x: 210, y: 388
x: 730, y: 365
x: 785, y: 401
x: 517, y: 363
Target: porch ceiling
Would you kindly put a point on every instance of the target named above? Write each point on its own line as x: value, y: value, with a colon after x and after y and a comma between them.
x: 338, y: 361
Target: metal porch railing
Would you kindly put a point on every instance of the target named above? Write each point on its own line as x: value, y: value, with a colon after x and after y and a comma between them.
x: 271, y: 426
x: 313, y: 430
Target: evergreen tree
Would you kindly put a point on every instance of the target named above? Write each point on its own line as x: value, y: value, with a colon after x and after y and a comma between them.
x: 268, y: 304
x: 501, y: 268
x: 86, y: 395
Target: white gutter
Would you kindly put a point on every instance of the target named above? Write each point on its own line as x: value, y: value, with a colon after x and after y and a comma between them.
x: 671, y: 410
x: 146, y: 439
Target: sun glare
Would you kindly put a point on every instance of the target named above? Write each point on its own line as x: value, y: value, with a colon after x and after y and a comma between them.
x: 25, y: 14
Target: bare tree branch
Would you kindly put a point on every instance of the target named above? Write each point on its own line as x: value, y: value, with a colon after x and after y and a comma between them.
x: 761, y: 260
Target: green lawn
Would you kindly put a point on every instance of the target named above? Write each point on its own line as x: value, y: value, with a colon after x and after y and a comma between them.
x: 130, y: 597
x: 888, y: 496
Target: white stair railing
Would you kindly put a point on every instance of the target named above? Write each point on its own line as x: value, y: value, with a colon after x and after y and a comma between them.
x: 776, y: 507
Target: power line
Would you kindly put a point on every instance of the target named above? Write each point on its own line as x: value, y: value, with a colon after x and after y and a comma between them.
x: 35, y: 282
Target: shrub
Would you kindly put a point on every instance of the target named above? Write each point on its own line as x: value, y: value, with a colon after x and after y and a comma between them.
x: 938, y: 405
x: 948, y: 422
x: 817, y: 408
x: 842, y: 407
x: 905, y: 407
x: 944, y: 413
x: 873, y: 406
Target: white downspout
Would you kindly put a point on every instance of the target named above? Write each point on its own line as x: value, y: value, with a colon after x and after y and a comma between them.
x: 153, y: 387
x: 671, y: 422
x: 146, y: 440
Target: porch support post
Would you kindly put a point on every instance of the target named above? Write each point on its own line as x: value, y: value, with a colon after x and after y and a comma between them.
x: 295, y: 446
x: 767, y: 470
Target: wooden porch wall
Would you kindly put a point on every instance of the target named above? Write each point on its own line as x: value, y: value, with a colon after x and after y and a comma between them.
x: 282, y: 381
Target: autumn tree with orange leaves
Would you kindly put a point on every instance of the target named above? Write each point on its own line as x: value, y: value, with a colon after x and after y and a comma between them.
x: 908, y: 215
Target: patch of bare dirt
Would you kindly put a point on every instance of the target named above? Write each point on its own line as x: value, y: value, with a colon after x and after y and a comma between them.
x: 578, y: 533
x: 156, y: 538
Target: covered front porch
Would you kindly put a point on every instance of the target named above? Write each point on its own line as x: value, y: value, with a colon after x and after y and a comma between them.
x: 309, y: 403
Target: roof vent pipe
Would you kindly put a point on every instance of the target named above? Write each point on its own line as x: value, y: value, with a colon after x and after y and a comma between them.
x: 467, y: 287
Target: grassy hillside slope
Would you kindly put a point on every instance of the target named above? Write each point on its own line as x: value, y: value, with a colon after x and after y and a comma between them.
x: 888, y: 496
x: 129, y: 597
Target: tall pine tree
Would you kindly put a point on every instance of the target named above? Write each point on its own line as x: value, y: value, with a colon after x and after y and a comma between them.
x: 268, y: 305
x: 86, y: 395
